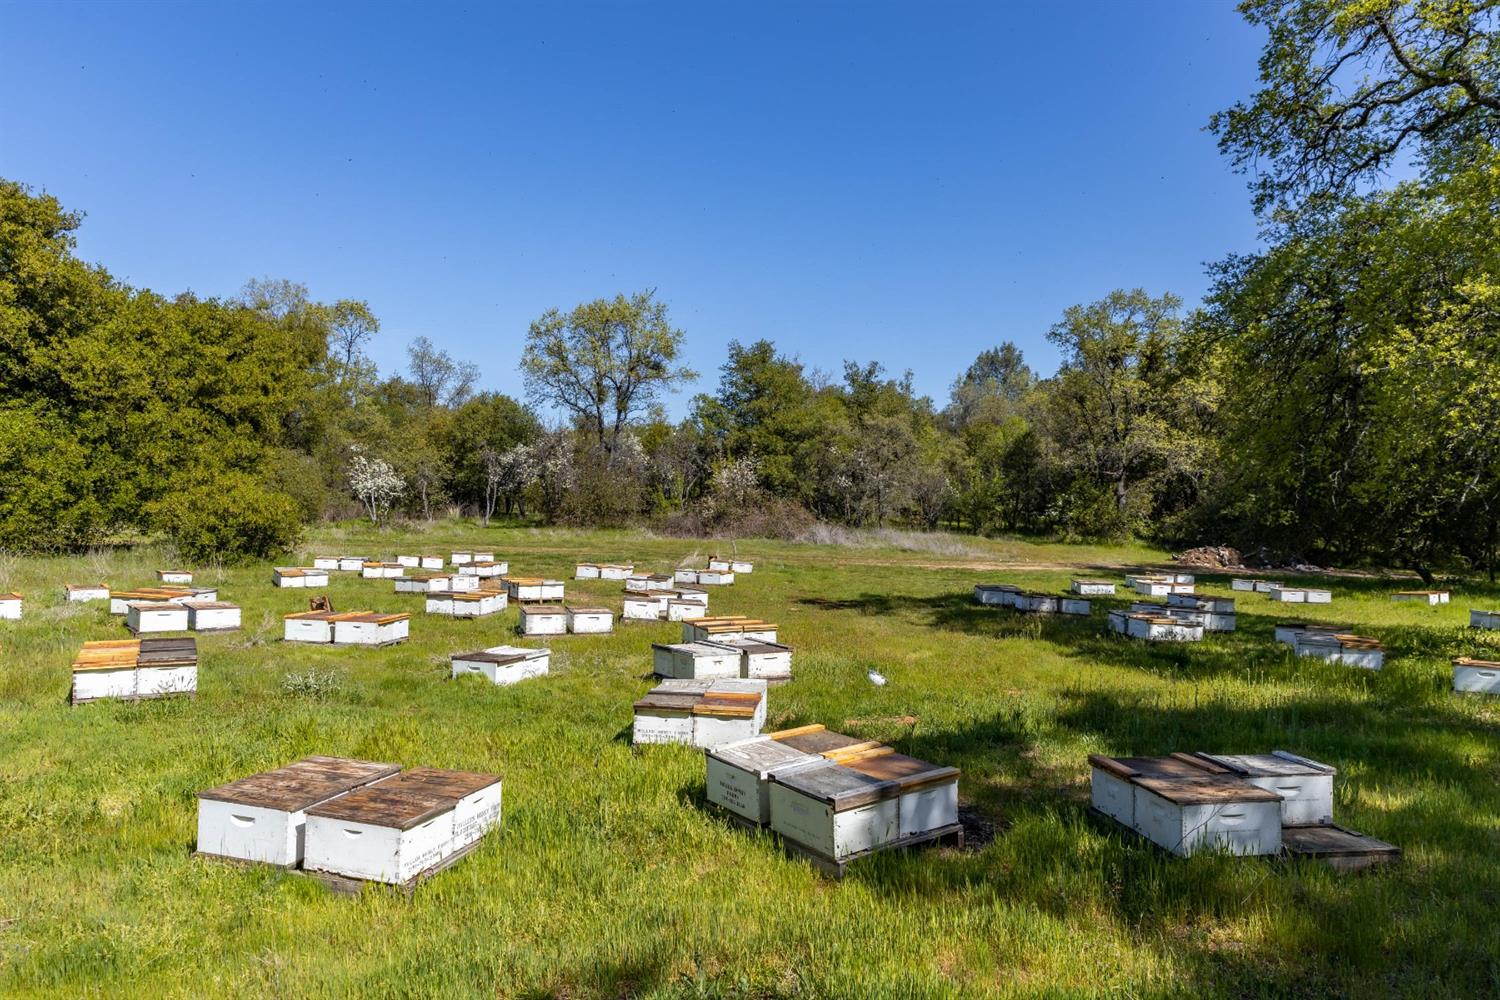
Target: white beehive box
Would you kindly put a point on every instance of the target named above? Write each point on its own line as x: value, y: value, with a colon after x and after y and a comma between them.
x: 1315, y: 596
x: 370, y: 628
x: 685, y: 575
x: 1476, y: 676
x: 1216, y: 614
x: 1352, y: 650
x: 1422, y: 596
x: 381, y: 570
x: 719, y: 563
x: 524, y: 588
x: 1037, y: 603
x: 503, y: 664
x: 105, y: 670
x: 552, y: 590
x: 713, y: 578
x: 482, y: 556
x: 431, y: 562
x: 308, y: 626
x: 639, y: 608
x: 615, y: 571
x: 1152, y: 587
x: 694, y: 660
x: 1242, y: 584
x: 928, y: 797
x: 476, y: 603
x: 695, y: 594
x: 86, y: 592
x: 1287, y: 595
x: 1155, y: 627
x: 396, y: 829
x: 352, y: 564
x: 741, y: 566
x: 1093, y: 588
x: 325, y: 562
x: 678, y: 611
x: 10, y: 606
x: 590, y: 621
x: 739, y: 774
x: 410, y: 562
x: 212, y: 616
x: 543, y: 619
x: 422, y: 583
x: 1305, y: 786
x: 182, y: 594
x: 1185, y: 816
x: 1484, y: 619
x: 665, y: 715
x: 439, y: 602
x: 731, y: 710
x: 659, y: 582
x: 288, y: 576
x: 166, y: 667
x: 263, y: 817
x: 1000, y: 595
x: 484, y: 569
x: 460, y: 582
x: 142, y: 617
x: 174, y: 576
x: 706, y: 628
x: 460, y: 558
x: 1287, y: 632
x: 769, y: 661
x: 834, y: 811
x: 586, y: 571
x: 1265, y: 586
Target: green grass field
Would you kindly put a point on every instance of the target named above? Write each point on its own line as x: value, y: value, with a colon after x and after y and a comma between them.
x: 610, y: 876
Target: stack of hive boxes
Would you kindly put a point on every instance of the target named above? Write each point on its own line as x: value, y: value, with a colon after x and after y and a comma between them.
x: 648, y: 583
x: 1245, y: 804
x: 1284, y: 594
x: 1422, y: 596
x: 1214, y: 614
x: 1161, y: 584
x: 297, y: 576
x: 135, y: 668
x: 347, y: 628
x: 725, y: 646
x: 834, y: 797
x: 1155, y: 626
x: 603, y: 571
x: 503, y: 664
x: 484, y: 568
x: 120, y: 600
x: 702, y: 713
x: 675, y: 604
x: 533, y: 588
x: 476, y: 603
x: 1335, y: 643
x: 348, y: 818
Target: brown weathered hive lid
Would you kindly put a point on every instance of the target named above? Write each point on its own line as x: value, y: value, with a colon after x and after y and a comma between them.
x: 312, y: 616
x: 398, y: 803
x: 837, y: 786
x: 452, y: 784
x: 674, y: 701
x: 908, y: 772
x: 588, y: 611
x: 299, y: 785
x: 1207, y: 789
x: 814, y: 739
x: 110, y: 654
x: 1173, y: 765
x: 727, y: 705
x: 1469, y: 661
x: 210, y: 605
x: 168, y: 652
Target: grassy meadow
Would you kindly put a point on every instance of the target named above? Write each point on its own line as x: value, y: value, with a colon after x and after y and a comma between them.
x: 610, y: 877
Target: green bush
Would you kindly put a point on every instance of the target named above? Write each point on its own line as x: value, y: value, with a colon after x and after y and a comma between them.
x: 231, y: 517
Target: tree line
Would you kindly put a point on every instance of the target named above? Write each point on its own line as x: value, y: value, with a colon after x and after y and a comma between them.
x: 1336, y: 396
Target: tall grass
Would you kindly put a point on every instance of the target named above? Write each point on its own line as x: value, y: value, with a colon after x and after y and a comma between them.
x: 611, y: 878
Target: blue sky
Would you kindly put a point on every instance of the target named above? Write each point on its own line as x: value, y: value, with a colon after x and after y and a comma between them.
x: 907, y: 183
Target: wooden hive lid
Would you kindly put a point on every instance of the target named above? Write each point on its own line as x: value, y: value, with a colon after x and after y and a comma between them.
x: 1358, y: 641
x: 1093, y: 582
x: 814, y: 739
x: 1419, y: 593
x: 187, y: 571
x: 728, y: 705
x: 499, y: 655
x: 524, y: 581
x: 142, y: 594
x: 1175, y: 764
x: 539, y: 608
x: 491, y: 585
x: 210, y: 605
x: 908, y: 772
x: 85, y: 586
x: 155, y: 606
x: 428, y: 577
x: 12, y: 595
x: 1206, y: 789
x: 398, y: 803
x: 299, y: 785
x: 168, y: 652
x: 837, y: 786
x: 290, y: 571
x: 110, y: 654
x: 373, y: 617
x: 1469, y: 661
x: 756, y: 647
x: 760, y: 755
x: 587, y: 611
x: 1314, y: 627
x: 627, y: 567
x: 450, y: 783
x: 677, y: 701
x: 484, y: 562
x: 659, y: 576
x: 1274, y: 764
x: 311, y: 616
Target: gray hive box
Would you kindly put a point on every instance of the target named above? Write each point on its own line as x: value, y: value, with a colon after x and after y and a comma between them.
x: 1305, y: 786
x: 405, y: 825
x: 998, y: 594
x: 833, y: 811
x: 1093, y: 588
x: 1184, y: 804
x: 1477, y: 619
x: 694, y: 660
x: 765, y: 660
x: 1476, y: 676
x: 928, y: 792
x: 1422, y: 596
x: 262, y: 817
x: 739, y: 774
